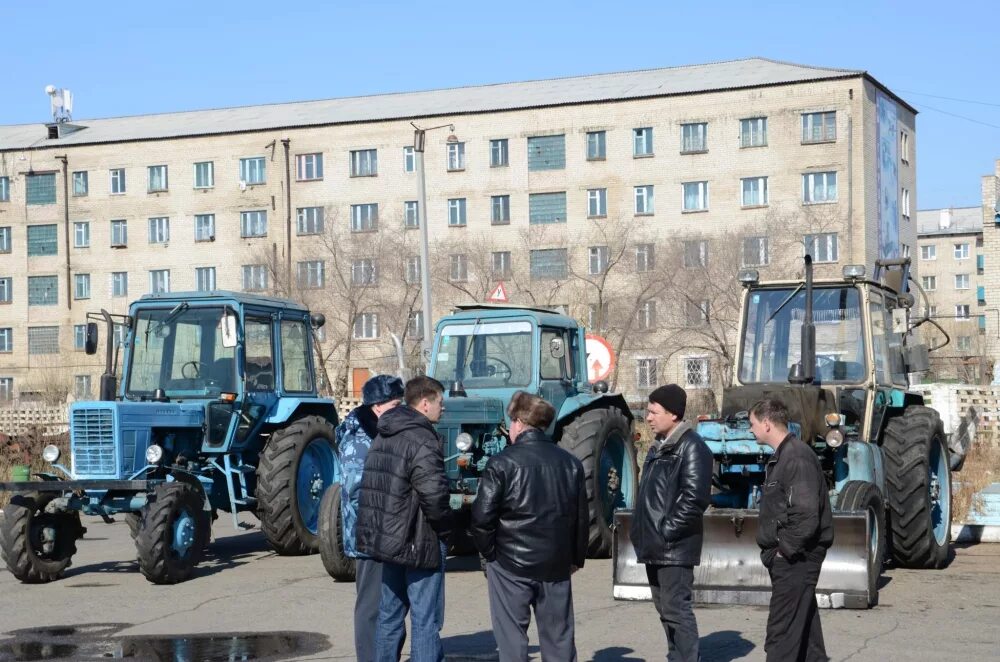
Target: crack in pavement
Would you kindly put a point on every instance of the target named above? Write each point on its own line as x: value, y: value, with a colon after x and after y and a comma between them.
x: 869, y: 640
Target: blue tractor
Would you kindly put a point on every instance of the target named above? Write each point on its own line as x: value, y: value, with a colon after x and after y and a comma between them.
x: 484, y: 353
x: 216, y: 409
x: 838, y: 353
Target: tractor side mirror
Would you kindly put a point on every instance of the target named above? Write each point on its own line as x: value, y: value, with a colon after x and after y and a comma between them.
x: 90, y: 343
x: 557, y: 348
x: 917, y: 358
x: 228, y: 329
x: 899, y: 321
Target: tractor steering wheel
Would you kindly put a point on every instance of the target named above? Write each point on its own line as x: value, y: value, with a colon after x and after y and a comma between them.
x: 196, y: 366
x: 503, y: 369
x: 824, y: 367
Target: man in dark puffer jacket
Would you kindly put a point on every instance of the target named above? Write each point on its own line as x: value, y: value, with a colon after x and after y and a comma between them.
x: 404, y: 520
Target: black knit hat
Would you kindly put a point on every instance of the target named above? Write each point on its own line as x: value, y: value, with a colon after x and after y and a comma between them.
x: 381, y: 388
x: 671, y: 397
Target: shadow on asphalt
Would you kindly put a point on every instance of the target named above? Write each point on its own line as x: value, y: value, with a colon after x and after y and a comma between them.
x: 475, y: 646
x: 724, y: 646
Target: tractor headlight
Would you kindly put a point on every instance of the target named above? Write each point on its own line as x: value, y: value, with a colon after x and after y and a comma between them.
x: 50, y: 453
x: 463, y: 442
x: 834, y: 438
x: 832, y: 420
x: 154, y: 454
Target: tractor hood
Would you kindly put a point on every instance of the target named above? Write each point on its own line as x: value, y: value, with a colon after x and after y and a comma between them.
x: 807, y: 404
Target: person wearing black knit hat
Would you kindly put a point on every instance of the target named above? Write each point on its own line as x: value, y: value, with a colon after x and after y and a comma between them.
x: 666, y: 531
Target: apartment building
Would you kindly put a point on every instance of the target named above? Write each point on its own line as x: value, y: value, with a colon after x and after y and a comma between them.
x: 319, y: 199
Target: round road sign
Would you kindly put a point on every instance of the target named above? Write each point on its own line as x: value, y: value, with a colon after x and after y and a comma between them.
x: 600, y: 358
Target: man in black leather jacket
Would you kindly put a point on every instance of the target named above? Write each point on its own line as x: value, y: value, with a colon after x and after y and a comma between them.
x: 666, y: 532
x: 404, y: 521
x: 796, y: 529
x: 530, y: 521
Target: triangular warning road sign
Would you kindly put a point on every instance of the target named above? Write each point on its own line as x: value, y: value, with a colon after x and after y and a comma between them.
x: 499, y: 294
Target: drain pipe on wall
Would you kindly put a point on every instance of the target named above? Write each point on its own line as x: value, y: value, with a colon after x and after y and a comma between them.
x: 69, y: 276
x: 285, y: 142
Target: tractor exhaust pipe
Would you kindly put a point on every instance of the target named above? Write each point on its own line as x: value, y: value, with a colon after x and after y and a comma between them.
x: 805, y: 371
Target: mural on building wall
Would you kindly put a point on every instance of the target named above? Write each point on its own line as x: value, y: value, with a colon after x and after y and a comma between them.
x: 888, y: 176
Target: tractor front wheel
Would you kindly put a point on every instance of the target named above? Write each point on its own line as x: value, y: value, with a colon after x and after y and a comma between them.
x: 338, y: 565
x: 38, y: 546
x: 297, y: 466
x: 859, y: 495
x: 172, y: 533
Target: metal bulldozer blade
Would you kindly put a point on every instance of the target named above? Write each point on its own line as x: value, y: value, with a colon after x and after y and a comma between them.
x: 731, y: 571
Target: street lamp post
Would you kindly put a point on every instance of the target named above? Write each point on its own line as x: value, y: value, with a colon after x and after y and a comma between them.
x: 419, y: 138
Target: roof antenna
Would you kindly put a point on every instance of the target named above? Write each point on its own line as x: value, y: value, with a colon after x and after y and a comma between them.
x: 60, y: 102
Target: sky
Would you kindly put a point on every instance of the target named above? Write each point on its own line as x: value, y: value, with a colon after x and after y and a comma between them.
x: 129, y: 58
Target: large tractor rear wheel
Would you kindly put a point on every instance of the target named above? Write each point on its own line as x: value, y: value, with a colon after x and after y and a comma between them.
x: 297, y: 466
x: 859, y: 495
x: 919, y: 488
x: 38, y: 546
x: 338, y: 565
x: 172, y: 532
x: 602, y: 440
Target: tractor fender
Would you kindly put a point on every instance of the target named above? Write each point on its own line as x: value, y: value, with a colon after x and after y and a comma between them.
x: 576, y: 405
x: 865, y: 463
x: 290, y: 408
x: 203, y: 484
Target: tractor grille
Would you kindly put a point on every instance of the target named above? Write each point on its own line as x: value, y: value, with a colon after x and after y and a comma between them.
x: 93, y: 442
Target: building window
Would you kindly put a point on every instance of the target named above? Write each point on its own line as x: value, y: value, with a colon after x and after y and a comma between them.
x: 42, y: 240
x: 695, y: 196
x: 159, y: 230
x: 754, y: 191
x: 364, y: 218
x: 962, y: 312
x: 310, y: 166
x: 119, y: 234
x: 6, y: 342
x: 646, y: 373
x: 928, y: 252
x: 6, y: 290
x: 415, y: 324
x: 204, y: 278
x: 253, y: 223
x: 81, y: 286
x: 930, y: 311
x: 819, y: 127
x: 646, y: 316
x: 458, y: 271
x: 409, y: 159
x: 204, y: 174
x: 81, y: 234
x: 254, y: 277
x: 694, y: 138
x: 499, y: 156
x: 597, y: 203
x: 964, y: 343
x: 548, y: 264
x: 41, y: 189
x: 309, y: 220
x: 253, y: 170
x: 81, y: 385
x: 644, y: 199
x: 904, y: 204
x: 364, y: 272
x: 696, y: 313
x: 204, y: 227
x: 43, y: 340
x: 159, y: 281
x: 642, y: 141
x: 695, y: 254
x: 81, y: 183
x: 456, y: 156
x: 119, y: 284
x: 156, y: 179
x: 597, y: 316
x: 597, y: 149
x: 823, y: 247
x: 412, y: 269
x: 500, y: 263
x: 645, y: 257
x: 819, y: 187
x: 5, y: 239
x: 500, y: 209
x: 753, y: 132
x: 366, y: 326
x: 904, y: 147
x: 456, y: 212
x: 364, y: 163
x: 411, y: 214
x: 696, y: 373
x: 544, y: 208
x: 117, y: 181
x: 311, y: 274
x: 755, y: 252
x: 4, y: 189
x: 929, y: 283
x: 598, y: 262
x: 961, y: 281
x: 547, y: 152
x: 6, y: 389
x: 79, y: 337
x: 961, y: 251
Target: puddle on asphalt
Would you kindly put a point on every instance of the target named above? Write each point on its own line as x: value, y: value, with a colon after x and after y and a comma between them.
x: 100, y: 642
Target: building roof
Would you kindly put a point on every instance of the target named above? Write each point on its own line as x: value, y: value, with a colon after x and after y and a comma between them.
x: 692, y: 79
x: 957, y: 220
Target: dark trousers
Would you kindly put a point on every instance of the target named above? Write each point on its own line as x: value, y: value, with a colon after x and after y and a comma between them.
x: 793, y: 628
x: 368, y: 584
x: 511, y: 601
x: 671, y: 586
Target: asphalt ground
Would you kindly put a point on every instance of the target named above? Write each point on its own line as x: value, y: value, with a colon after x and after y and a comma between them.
x: 245, y: 602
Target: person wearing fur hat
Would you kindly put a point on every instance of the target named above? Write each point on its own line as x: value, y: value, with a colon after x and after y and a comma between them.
x: 674, y: 491
x: 354, y: 437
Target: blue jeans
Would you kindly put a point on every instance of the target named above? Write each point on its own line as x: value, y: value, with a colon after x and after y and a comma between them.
x: 421, y: 593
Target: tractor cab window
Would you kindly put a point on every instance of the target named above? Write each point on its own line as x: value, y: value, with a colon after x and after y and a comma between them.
x: 259, y: 354
x: 554, y: 362
x: 180, y: 350
x: 295, y: 372
x: 485, y: 354
x: 887, y: 345
x: 773, y: 338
